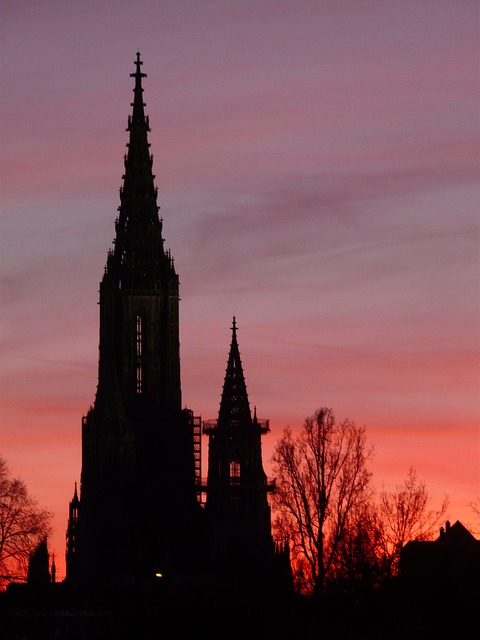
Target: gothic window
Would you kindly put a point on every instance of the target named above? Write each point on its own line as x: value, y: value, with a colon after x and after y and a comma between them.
x: 139, y: 341
x: 234, y: 471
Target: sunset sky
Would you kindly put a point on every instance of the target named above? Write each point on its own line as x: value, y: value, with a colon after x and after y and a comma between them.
x: 318, y: 168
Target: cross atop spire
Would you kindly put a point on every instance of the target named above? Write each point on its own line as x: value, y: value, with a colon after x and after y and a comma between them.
x: 138, y: 115
x: 138, y: 74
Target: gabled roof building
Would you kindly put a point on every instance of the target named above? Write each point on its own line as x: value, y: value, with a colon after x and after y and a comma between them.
x: 454, y: 554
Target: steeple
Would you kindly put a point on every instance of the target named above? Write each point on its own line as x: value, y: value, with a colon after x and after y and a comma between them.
x: 137, y: 443
x: 237, y: 507
x: 234, y: 405
x: 142, y: 273
x: 138, y: 258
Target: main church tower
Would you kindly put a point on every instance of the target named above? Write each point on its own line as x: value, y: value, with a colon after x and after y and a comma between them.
x: 137, y: 513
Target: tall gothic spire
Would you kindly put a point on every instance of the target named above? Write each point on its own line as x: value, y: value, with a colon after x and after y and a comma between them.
x: 137, y: 448
x: 139, y: 257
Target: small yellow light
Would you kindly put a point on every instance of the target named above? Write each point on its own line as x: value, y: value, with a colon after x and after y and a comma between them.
x: 158, y: 574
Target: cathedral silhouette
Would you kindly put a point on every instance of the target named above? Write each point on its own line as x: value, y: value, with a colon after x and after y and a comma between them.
x: 143, y: 514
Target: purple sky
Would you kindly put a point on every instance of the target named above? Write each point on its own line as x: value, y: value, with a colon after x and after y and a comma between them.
x: 318, y: 167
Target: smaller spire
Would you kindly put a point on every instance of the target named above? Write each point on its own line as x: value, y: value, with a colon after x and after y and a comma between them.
x: 234, y: 405
x: 74, y: 504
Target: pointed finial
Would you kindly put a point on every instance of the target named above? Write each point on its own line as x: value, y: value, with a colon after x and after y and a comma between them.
x: 138, y: 114
x: 234, y: 331
x: 138, y: 63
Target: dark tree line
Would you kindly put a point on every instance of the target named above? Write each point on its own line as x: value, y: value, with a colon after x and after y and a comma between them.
x: 343, y: 535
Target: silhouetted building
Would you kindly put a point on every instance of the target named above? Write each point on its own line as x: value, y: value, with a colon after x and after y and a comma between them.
x: 237, y: 508
x: 138, y: 504
x: 140, y: 514
x: 454, y: 554
x: 38, y: 574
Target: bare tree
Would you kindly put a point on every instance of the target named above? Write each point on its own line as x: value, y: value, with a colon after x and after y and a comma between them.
x: 404, y: 515
x: 321, y: 476
x: 23, y: 524
x: 475, y: 507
